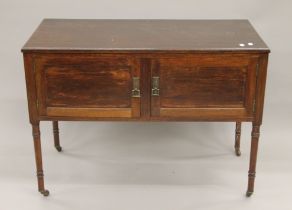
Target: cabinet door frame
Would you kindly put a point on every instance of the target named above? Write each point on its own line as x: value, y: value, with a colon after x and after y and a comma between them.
x: 223, y: 113
x: 83, y: 112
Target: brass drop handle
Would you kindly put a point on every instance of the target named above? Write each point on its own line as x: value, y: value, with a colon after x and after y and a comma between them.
x: 136, y: 87
x: 155, y: 86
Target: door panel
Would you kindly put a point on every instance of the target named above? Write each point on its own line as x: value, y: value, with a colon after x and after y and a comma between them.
x: 204, y: 86
x: 87, y: 86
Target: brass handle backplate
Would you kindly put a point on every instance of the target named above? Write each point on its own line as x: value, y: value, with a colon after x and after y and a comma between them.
x: 136, y: 87
x: 155, y: 86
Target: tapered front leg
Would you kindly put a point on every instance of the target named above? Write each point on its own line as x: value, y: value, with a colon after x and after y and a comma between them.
x: 38, y: 159
x: 237, y: 138
x: 56, y: 136
x: 255, y: 134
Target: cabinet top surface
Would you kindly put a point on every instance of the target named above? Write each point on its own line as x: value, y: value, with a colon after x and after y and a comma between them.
x: 145, y: 35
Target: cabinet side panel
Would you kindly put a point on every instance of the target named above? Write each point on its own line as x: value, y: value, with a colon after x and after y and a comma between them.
x: 260, y: 92
x: 31, y: 87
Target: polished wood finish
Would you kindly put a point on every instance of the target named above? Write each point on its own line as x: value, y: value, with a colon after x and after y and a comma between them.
x: 56, y: 136
x: 237, y: 138
x: 146, y: 70
x: 255, y: 134
x: 257, y: 121
x: 221, y: 86
x: 38, y: 157
x: 70, y: 81
x: 145, y: 35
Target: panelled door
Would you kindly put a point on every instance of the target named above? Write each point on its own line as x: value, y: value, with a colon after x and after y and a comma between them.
x: 202, y: 86
x: 88, y: 85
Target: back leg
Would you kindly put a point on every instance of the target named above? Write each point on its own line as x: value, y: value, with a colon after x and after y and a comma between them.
x: 56, y: 136
x: 237, y: 138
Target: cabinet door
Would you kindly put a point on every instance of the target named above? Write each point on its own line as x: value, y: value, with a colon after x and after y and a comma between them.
x: 87, y: 86
x: 204, y: 87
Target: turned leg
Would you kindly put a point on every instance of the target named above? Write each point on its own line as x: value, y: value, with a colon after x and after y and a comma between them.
x: 237, y: 138
x: 255, y: 134
x: 56, y: 136
x: 38, y: 159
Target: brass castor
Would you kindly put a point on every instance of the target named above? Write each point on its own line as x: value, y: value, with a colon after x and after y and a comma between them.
x: 58, y: 148
x: 237, y: 152
x: 45, y: 192
x: 249, y: 193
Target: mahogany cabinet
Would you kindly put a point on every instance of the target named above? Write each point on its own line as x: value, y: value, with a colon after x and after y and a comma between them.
x: 146, y: 70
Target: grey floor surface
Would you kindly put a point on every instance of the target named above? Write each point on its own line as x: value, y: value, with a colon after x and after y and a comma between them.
x: 163, y: 166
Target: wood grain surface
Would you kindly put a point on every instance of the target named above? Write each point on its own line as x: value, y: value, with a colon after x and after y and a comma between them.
x: 141, y: 35
x: 205, y: 70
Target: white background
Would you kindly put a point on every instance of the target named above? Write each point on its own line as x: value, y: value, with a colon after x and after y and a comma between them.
x: 161, y: 166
